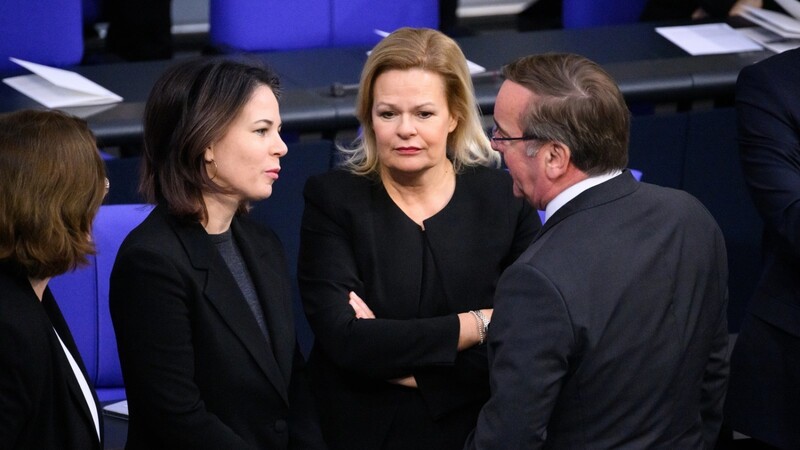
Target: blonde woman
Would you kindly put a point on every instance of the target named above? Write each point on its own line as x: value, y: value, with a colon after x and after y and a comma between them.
x: 401, y: 249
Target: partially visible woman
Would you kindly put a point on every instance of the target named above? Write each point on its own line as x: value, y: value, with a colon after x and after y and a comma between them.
x: 52, y: 182
x: 200, y: 294
x: 401, y: 251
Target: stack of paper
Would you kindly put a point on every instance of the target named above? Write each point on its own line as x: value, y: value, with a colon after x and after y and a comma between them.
x: 781, y: 24
x: 790, y: 6
x: 58, y: 88
x: 770, y: 40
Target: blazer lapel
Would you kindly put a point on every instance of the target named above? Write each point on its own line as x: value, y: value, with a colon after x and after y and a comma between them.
x: 268, y: 269
x: 225, y: 296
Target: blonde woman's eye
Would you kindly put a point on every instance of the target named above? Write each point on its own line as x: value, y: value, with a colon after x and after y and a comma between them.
x: 386, y: 114
x: 425, y: 114
x: 261, y: 131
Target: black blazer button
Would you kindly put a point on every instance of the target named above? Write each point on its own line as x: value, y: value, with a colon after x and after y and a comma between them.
x: 280, y: 425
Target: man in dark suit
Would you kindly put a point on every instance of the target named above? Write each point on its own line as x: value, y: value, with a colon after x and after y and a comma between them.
x: 610, y: 331
x: 764, y: 395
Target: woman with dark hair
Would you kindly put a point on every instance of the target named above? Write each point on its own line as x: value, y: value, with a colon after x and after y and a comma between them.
x: 52, y: 182
x: 200, y: 294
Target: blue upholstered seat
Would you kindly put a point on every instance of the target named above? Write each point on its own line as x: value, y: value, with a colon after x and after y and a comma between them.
x: 82, y: 296
x: 594, y: 13
x: 46, y: 32
x: 355, y: 21
x: 258, y: 25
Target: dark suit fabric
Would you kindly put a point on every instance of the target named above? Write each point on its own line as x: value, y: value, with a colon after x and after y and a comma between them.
x: 655, y: 10
x: 197, y: 369
x: 610, y: 331
x: 42, y: 406
x: 764, y: 398
x: 355, y: 238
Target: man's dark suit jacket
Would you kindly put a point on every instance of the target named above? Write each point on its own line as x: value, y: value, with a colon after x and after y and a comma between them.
x: 610, y: 331
x: 198, y: 371
x: 355, y: 238
x: 764, y: 395
x: 41, y: 404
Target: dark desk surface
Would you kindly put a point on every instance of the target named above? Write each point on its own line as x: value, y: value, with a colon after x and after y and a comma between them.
x: 647, y: 67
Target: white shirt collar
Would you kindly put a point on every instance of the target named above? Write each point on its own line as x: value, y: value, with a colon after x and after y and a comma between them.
x: 84, y: 385
x: 576, y: 189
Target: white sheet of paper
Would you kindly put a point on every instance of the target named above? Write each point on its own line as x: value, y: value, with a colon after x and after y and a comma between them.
x: 708, y: 39
x: 474, y: 68
x: 58, y: 88
x: 118, y: 409
x: 790, y: 6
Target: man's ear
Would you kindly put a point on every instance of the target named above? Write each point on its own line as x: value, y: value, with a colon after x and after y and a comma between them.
x: 557, y: 158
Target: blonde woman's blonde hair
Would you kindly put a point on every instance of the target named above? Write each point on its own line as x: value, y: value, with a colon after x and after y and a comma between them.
x: 432, y: 51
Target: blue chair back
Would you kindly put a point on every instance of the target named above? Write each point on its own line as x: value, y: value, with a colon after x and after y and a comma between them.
x: 82, y: 296
x: 354, y: 21
x: 42, y: 31
x: 259, y: 25
x: 595, y: 13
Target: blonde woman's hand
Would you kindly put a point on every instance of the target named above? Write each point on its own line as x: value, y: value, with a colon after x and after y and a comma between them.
x: 408, y: 381
x: 360, y: 307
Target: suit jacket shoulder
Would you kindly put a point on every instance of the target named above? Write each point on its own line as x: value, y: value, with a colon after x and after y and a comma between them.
x: 41, y: 404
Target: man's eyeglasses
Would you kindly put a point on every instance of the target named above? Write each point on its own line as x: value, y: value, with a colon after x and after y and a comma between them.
x: 495, y: 137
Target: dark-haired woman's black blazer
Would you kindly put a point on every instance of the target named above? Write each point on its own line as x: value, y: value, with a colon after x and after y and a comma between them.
x: 198, y: 371
x: 42, y: 406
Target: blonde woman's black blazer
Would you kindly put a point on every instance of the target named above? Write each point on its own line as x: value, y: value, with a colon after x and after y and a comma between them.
x: 354, y: 237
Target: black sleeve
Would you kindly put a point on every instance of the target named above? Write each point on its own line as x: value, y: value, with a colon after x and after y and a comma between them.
x: 327, y: 272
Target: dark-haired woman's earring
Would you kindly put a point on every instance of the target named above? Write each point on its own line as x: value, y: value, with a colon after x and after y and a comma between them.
x: 215, y: 169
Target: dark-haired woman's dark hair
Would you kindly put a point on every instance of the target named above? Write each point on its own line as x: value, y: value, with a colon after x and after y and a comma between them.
x: 190, y: 107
